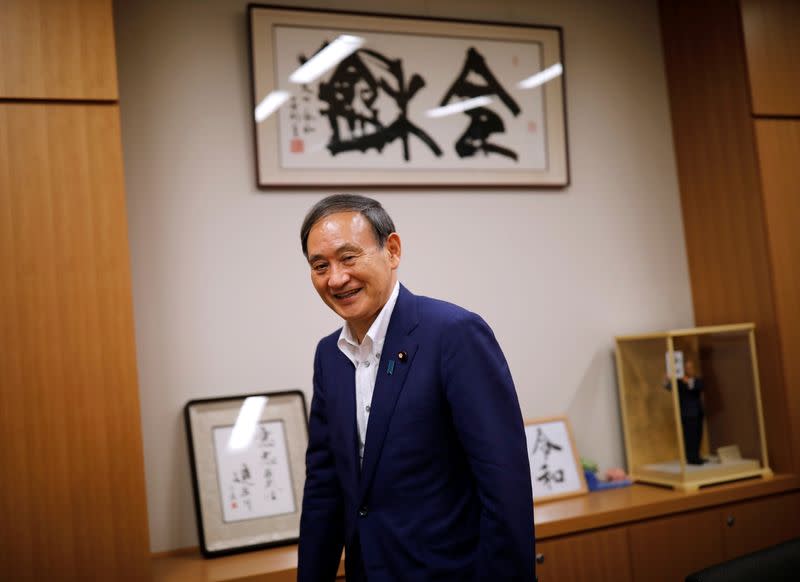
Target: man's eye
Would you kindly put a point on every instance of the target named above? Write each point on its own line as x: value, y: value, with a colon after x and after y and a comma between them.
x: 348, y: 259
x: 319, y: 267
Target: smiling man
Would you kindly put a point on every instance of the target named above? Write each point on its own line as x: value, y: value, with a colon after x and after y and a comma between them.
x: 417, y: 460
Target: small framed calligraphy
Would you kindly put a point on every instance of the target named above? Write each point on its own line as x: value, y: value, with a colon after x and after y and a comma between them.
x: 556, y: 470
x: 343, y: 99
x: 247, y: 458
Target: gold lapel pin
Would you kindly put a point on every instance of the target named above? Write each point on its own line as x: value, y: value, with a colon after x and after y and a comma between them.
x: 402, y: 356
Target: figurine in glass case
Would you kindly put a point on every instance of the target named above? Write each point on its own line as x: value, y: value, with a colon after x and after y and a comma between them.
x: 690, y: 396
x: 719, y: 388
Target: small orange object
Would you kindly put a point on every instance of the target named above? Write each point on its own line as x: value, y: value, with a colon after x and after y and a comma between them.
x: 615, y: 474
x: 297, y: 146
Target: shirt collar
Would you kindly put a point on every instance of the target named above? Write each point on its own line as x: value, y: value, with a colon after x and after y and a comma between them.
x: 377, y: 331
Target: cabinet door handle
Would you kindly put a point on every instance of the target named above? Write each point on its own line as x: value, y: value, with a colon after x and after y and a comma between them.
x: 730, y: 521
x: 540, y: 558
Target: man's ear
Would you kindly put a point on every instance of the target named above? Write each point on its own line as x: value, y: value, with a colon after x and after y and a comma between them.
x: 394, y: 248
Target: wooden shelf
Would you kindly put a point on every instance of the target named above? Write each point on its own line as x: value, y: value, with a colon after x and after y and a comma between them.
x: 272, y: 565
x: 639, y: 502
x: 553, y: 519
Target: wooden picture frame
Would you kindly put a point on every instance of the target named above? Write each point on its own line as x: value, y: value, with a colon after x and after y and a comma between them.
x: 556, y: 470
x: 247, y: 456
x: 382, y: 115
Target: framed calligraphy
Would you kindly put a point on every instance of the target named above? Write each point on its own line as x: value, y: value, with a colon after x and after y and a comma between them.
x: 247, y: 458
x: 343, y: 99
x: 556, y: 470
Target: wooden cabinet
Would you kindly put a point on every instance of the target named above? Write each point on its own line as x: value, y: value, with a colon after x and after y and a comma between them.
x: 597, y: 556
x: 670, y: 548
x: 638, y: 533
x: 759, y: 524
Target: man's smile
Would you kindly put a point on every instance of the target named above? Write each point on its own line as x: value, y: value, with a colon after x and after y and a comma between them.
x: 346, y: 294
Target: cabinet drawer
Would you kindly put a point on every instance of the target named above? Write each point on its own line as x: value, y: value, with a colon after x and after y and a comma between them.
x: 758, y: 524
x: 596, y: 557
x: 670, y: 548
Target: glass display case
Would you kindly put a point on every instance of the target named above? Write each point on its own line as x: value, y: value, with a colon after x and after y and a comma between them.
x: 691, y: 406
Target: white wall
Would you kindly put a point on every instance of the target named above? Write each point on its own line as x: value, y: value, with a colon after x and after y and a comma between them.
x: 222, y: 295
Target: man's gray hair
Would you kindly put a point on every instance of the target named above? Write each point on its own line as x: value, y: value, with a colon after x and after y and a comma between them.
x: 372, y: 210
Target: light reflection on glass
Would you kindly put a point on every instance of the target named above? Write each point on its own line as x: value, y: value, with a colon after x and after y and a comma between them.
x: 245, y: 427
x: 270, y: 104
x: 333, y: 54
x: 541, y: 77
x: 459, y: 106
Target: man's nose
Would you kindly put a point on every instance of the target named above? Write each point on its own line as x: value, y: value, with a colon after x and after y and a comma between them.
x: 339, y: 277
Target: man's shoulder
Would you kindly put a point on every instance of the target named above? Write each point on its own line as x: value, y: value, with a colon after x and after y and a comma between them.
x: 439, y: 306
x: 440, y: 312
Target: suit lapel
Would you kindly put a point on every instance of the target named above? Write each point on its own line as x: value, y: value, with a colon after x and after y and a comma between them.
x: 389, y: 382
x: 346, y: 414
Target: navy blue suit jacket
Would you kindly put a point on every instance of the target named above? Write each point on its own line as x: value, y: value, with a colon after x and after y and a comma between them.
x: 444, y: 492
x: 690, y: 399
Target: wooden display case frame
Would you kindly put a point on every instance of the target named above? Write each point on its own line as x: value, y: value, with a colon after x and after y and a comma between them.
x: 690, y: 478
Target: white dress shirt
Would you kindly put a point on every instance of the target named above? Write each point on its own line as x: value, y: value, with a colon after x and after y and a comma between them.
x: 365, y: 357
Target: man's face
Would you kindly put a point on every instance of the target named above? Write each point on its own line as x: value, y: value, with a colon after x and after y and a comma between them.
x: 353, y: 275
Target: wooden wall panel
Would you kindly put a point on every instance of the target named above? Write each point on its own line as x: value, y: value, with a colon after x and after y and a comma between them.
x: 779, y: 153
x: 723, y: 217
x: 57, y: 49
x: 772, y: 43
x: 72, y: 503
